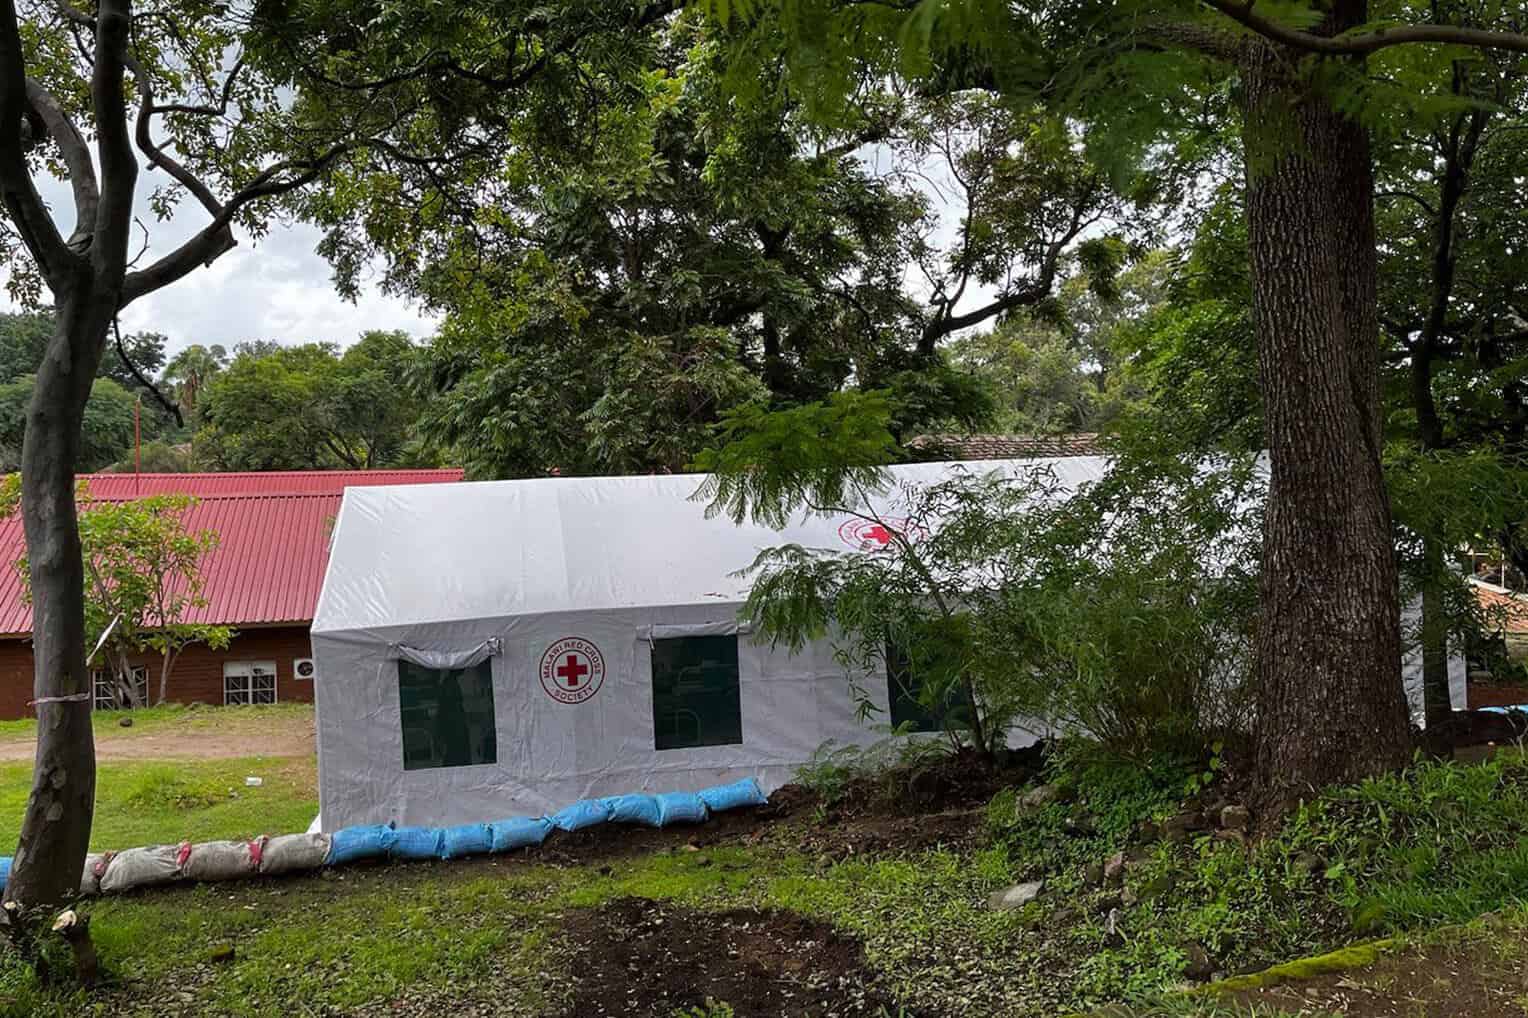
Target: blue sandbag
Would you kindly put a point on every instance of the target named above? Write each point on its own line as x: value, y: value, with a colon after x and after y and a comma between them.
x: 464, y: 840
x: 414, y: 843
x: 352, y: 843
x: 680, y: 808
x: 519, y: 832
x: 5, y: 869
x: 634, y: 809
x: 734, y: 796
x: 583, y: 813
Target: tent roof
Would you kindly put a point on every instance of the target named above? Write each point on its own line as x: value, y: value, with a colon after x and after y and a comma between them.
x: 443, y: 552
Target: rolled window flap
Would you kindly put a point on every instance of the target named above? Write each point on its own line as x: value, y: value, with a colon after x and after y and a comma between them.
x: 728, y: 627
x: 447, y: 659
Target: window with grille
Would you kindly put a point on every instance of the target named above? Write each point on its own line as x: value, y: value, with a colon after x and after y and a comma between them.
x: 249, y: 682
x: 696, y: 701
x: 447, y: 716
x: 109, y: 695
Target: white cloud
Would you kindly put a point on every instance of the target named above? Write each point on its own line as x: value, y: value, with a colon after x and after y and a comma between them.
x: 277, y: 289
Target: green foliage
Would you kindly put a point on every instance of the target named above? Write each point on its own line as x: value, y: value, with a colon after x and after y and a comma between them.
x: 767, y: 465
x: 306, y: 407
x: 105, y: 433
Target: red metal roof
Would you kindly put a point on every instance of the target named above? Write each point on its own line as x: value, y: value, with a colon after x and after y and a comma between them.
x: 274, y: 482
x: 273, y: 543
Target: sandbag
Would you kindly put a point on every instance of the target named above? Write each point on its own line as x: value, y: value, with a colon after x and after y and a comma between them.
x: 141, y: 867
x: 680, y: 808
x: 583, y: 813
x: 633, y: 809
x: 414, y: 843
x: 720, y: 798
x: 95, y: 867
x: 464, y: 840
x: 217, y: 860
x: 519, y: 832
x: 351, y: 844
x: 294, y: 853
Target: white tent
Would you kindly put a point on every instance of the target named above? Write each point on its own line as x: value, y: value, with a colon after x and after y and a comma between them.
x: 505, y: 648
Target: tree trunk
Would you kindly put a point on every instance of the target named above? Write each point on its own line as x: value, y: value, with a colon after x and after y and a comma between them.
x: 1330, y: 705
x: 1437, y: 701
x: 56, y: 829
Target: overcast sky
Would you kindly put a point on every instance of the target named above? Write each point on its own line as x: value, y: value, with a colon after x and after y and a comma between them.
x: 276, y: 289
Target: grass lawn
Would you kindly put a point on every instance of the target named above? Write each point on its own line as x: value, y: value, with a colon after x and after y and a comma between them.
x: 830, y: 908
x: 154, y: 803
x: 177, y: 718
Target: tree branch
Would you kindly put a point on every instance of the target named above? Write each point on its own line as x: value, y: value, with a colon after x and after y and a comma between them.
x: 171, y: 408
x: 216, y: 239
x: 76, y: 153
x: 22, y: 202
x: 119, y: 170
x: 156, y: 155
x: 1369, y: 41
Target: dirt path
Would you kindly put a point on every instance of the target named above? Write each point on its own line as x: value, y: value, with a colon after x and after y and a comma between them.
x: 238, y: 737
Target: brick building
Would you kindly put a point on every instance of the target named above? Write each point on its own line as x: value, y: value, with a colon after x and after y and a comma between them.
x: 263, y: 580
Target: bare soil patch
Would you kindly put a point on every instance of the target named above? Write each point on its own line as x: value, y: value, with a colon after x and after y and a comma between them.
x: 221, y: 733
x: 637, y: 958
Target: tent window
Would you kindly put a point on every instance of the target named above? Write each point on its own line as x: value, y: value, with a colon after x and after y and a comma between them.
x: 905, y: 692
x: 447, y: 716
x: 249, y: 682
x: 695, y: 692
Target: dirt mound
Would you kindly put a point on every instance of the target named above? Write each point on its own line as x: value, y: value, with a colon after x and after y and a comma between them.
x: 637, y: 958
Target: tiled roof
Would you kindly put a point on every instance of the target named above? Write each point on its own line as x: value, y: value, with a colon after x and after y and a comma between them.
x: 273, y: 539
x: 1503, y: 610
x: 1009, y: 447
x: 274, y: 482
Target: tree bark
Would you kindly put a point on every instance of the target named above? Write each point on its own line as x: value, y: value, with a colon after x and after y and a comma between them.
x: 1330, y: 704
x: 55, y: 832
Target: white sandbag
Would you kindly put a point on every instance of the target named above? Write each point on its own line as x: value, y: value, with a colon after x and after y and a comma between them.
x: 140, y: 867
x: 218, y: 860
x: 292, y: 853
x: 95, y: 867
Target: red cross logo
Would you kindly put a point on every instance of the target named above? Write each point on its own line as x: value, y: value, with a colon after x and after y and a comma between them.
x: 572, y: 670
x: 870, y: 535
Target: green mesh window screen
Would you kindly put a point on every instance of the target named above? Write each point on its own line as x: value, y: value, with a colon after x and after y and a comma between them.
x: 447, y: 716
x: 905, y: 692
x: 695, y: 692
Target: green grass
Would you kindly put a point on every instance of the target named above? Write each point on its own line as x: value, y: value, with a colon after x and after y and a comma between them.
x: 152, y: 803
x: 173, y: 716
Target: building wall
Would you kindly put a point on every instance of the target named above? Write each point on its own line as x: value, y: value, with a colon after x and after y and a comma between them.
x: 198, y: 674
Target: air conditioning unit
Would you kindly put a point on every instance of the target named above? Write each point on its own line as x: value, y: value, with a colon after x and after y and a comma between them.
x: 302, y: 668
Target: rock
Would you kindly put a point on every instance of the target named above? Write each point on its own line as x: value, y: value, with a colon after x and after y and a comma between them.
x: 1235, y: 837
x: 1130, y: 898
x: 1235, y: 818
x: 1147, y: 832
x: 1199, y: 965
x: 925, y: 789
x: 1309, y: 862
x: 126, y: 722
x: 1043, y: 795
x: 1181, y: 827
x: 1114, y: 869
x: 1016, y: 896
x: 1081, y: 826
x: 1092, y: 875
x: 222, y: 953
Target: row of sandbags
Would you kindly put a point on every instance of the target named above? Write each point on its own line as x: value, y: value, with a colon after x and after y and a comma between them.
x: 107, y: 872
x: 375, y: 841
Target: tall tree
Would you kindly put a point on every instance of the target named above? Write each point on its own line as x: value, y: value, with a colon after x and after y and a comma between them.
x: 1328, y: 645
x: 84, y: 93
x: 190, y: 372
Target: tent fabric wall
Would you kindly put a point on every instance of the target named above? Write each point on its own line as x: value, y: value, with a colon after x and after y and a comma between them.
x: 506, y: 571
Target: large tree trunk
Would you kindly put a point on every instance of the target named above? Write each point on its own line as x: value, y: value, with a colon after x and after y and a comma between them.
x: 56, y: 829
x: 1330, y: 706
